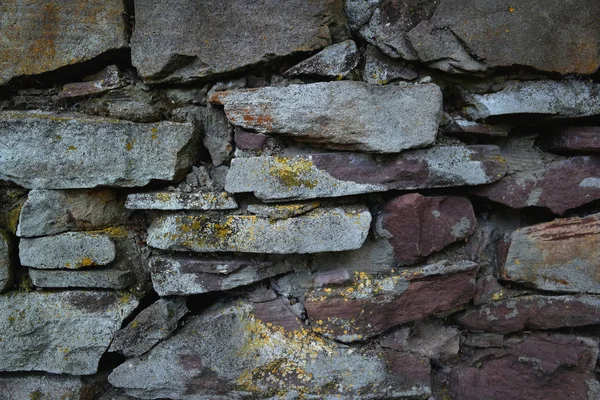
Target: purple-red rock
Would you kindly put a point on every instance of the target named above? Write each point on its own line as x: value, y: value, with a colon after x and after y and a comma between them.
x: 484, y: 340
x: 572, y: 139
x: 462, y: 127
x: 245, y: 140
x: 418, y: 226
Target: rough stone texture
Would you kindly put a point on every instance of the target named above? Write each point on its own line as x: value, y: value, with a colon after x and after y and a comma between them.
x: 340, y: 115
x: 324, y: 229
x: 464, y: 128
x: 181, y: 201
x: 39, y: 35
x: 62, y: 332
x: 228, y: 352
x: 418, y: 226
x: 109, y: 78
x: 11, y: 203
x: 47, y: 387
x: 153, y: 325
x: 335, y: 61
x: 551, y: 36
x: 71, y: 250
x: 484, y: 340
x: 373, y: 304
x: 359, y: 12
x: 558, y: 186
x: 218, y: 134
x: 282, y: 211
x: 572, y: 139
x: 6, y: 261
x: 560, y: 256
x: 180, y: 276
x: 381, y: 69
x: 540, y: 366
x: 342, y: 174
x: 559, y: 99
x: 374, y: 256
x: 56, y: 151
x: 48, y: 212
x: 532, y: 313
x: 214, y: 37
x: 96, y: 278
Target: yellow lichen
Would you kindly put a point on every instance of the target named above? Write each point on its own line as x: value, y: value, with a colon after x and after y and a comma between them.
x: 292, y: 172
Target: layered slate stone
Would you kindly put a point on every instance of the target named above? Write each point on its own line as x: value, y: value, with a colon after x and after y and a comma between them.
x: 55, y: 151
x: 464, y: 128
x: 557, y: 99
x: 340, y: 115
x: 181, y: 201
x: 373, y: 304
x: 470, y: 36
x: 540, y: 366
x: 558, y: 186
x: 181, y: 276
x: 417, y: 226
x: 40, y: 36
x: 6, y: 260
x: 381, y: 69
x: 324, y: 229
x: 71, y: 250
x: 560, y: 256
x: 335, y: 61
x: 533, y: 313
x: 97, y: 278
x: 572, y: 139
x: 47, y: 387
x: 48, y: 212
x: 273, y: 178
x: 108, y: 79
x: 59, y: 332
x: 215, y: 37
x: 230, y: 351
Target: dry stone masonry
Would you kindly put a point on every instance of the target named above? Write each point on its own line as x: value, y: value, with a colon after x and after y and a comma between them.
x: 324, y: 199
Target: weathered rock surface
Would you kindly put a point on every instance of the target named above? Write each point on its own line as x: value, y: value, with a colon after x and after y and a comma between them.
x: 561, y: 256
x: 55, y: 151
x: 381, y: 69
x: 335, y: 61
x: 484, y: 340
x: 40, y: 36
x: 572, y: 139
x: 464, y: 128
x: 109, y: 78
x: 533, y: 313
x: 342, y: 174
x: 559, y: 99
x: 218, y: 134
x: 6, y: 261
x: 340, y: 115
x: 181, y: 201
x: 229, y: 352
x: 471, y: 36
x: 46, y: 387
x: 71, y: 250
x: 282, y: 211
x: 373, y: 304
x: 48, y: 212
x: 215, y: 37
x: 105, y: 278
x: 151, y: 326
x: 323, y: 229
x: 417, y: 226
x: 540, y: 366
x: 11, y: 203
x: 61, y: 332
x: 359, y: 12
x: 374, y: 256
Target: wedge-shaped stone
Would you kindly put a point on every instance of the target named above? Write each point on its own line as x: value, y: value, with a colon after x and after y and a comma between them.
x: 198, y: 39
x: 324, y: 229
x: 181, y: 201
x: 54, y: 151
x: 40, y: 36
x: 61, y: 332
x: 335, y: 61
x: 69, y: 250
x: 561, y: 256
x: 105, y: 278
x: 341, y: 174
x: 340, y: 115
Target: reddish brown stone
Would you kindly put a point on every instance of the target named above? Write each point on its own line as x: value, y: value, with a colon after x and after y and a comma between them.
x: 407, y: 369
x: 276, y: 312
x: 245, y: 140
x: 463, y: 127
x: 422, y: 225
x: 572, y: 139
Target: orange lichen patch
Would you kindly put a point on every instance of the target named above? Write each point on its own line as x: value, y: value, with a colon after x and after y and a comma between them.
x: 511, y: 9
x: 129, y: 145
x: 85, y: 262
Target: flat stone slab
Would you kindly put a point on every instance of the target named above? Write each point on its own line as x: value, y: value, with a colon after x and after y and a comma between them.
x: 345, y: 115
x: 323, y: 229
x: 40, y: 36
x: 71, y: 250
x: 93, y: 279
x: 195, y: 40
x: 181, y: 201
x: 335, y: 61
x: 300, y: 177
x: 54, y: 151
x: 464, y: 128
x: 6, y: 260
x: 572, y: 139
x: 560, y: 256
x: 60, y: 332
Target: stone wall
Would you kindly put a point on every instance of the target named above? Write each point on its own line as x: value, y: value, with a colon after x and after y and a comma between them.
x: 234, y: 199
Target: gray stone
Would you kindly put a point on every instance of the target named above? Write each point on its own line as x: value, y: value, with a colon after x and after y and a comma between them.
x: 218, y: 134
x: 381, y: 69
x: 48, y: 212
x: 181, y: 201
x: 323, y: 229
x: 374, y: 256
x: 55, y: 151
x: 97, y: 278
x: 71, y: 250
x: 149, y: 327
x: 6, y: 260
x: 340, y: 115
x: 215, y: 37
x: 60, y: 332
x: 335, y: 61
x: 282, y: 211
x: 182, y: 276
x: 46, y: 387
x: 341, y: 174
x: 558, y: 99
x: 359, y: 12
x: 40, y: 36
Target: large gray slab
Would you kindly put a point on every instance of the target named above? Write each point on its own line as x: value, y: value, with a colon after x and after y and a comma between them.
x: 105, y: 278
